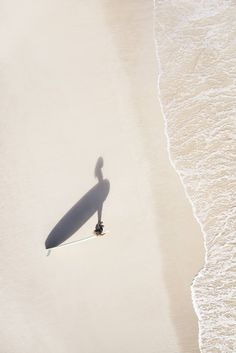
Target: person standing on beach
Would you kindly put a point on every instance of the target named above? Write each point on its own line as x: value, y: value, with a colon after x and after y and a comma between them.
x: 99, y: 228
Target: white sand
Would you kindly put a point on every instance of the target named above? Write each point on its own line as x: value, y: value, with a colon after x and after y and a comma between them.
x: 79, y: 82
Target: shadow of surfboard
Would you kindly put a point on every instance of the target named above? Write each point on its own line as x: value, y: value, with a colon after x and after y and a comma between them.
x: 79, y: 214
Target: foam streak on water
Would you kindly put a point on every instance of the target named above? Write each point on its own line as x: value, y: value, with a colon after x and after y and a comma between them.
x: 196, y: 51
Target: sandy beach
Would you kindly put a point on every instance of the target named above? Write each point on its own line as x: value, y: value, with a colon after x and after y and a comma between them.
x: 79, y: 83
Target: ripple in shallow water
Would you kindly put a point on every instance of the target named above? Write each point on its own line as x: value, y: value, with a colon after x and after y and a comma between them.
x: 196, y: 44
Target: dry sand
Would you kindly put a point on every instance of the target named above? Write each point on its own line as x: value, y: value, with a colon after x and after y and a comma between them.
x: 79, y: 82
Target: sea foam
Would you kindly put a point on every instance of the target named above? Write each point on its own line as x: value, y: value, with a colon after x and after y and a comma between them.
x: 196, y: 51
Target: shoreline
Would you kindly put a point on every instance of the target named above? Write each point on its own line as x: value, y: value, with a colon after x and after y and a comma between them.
x: 149, y: 142
x: 199, y: 122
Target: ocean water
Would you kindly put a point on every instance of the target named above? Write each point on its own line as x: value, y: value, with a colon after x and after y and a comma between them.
x: 196, y: 52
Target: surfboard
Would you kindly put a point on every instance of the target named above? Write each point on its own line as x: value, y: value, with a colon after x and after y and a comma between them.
x: 75, y: 242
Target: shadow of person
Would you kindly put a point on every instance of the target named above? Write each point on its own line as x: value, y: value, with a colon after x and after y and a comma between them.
x: 82, y: 211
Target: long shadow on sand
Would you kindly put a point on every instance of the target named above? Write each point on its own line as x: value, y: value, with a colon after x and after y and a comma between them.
x: 82, y: 211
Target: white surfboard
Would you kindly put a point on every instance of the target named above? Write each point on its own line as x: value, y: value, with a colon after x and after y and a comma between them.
x: 75, y: 242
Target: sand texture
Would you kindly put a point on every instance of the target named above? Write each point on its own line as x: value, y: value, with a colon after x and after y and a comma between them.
x: 79, y: 82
